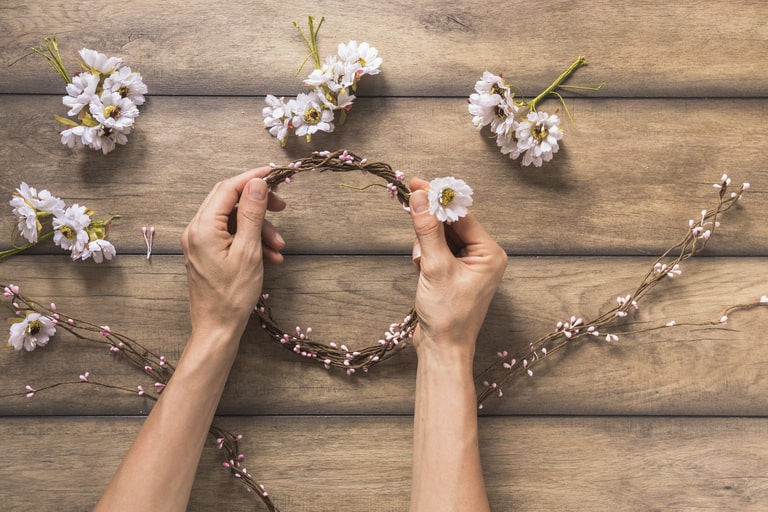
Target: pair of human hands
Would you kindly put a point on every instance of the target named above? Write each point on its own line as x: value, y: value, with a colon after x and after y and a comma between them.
x: 225, y: 244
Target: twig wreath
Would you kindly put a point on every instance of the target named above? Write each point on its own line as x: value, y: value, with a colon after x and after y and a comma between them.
x: 333, y: 355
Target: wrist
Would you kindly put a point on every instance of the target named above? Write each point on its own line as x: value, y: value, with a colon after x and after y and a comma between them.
x: 458, y: 354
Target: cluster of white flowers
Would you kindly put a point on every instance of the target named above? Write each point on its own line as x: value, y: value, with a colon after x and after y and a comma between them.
x: 332, y: 84
x: 518, y: 127
x: 73, y: 228
x: 104, y: 99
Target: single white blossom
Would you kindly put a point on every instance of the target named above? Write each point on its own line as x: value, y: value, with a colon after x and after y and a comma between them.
x: 35, y: 330
x: 106, y: 139
x: 69, y: 229
x: 127, y: 84
x: 490, y: 84
x: 310, y: 116
x: 449, y: 198
x: 27, y: 223
x: 80, y: 91
x: 100, y: 62
x: 26, y: 203
x: 537, y: 138
x: 113, y: 111
x: 483, y: 107
x: 362, y: 59
x: 98, y: 249
x: 277, y: 116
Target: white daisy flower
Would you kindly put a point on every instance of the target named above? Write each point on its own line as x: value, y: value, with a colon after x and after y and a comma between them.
x: 28, y: 224
x: 26, y: 203
x: 113, y: 111
x: 100, y: 62
x: 35, y: 330
x: 277, y: 116
x: 328, y: 74
x: 310, y: 116
x: 491, y: 84
x: 80, y: 91
x: 98, y: 249
x: 69, y: 226
x: 105, y: 139
x: 505, y: 122
x: 508, y: 144
x: 127, y: 84
x: 73, y: 137
x: 42, y: 201
x: 537, y: 138
x: 483, y: 107
x: 364, y: 58
x: 344, y: 99
x: 47, y: 202
x: 449, y: 198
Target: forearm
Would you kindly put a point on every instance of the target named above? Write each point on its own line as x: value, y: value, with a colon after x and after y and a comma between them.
x: 447, y: 474
x: 171, y: 440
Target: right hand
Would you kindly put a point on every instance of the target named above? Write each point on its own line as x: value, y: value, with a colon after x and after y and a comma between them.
x: 455, y: 288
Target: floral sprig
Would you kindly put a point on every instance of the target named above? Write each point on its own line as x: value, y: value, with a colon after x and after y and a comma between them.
x: 699, y: 231
x: 34, y: 324
x: 520, y: 129
x: 103, y: 98
x: 72, y: 228
x: 332, y: 84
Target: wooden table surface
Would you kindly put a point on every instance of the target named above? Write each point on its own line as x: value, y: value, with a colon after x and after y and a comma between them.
x: 673, y: 419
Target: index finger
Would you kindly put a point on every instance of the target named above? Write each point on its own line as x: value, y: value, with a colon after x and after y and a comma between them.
x: 225, y: 195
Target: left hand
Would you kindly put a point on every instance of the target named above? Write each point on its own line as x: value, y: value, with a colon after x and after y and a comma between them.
x: 225, y: 265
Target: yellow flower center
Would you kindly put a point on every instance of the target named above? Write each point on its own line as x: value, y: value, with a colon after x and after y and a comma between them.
x: 539, y: 133
x: 124, y: 91
x: 312, y: 116
x: 112, y: 111
x: 34, y: 327
x: 362, y: 62
x: 446, y: 196
x: 68, y: 232
x: 495, y: 89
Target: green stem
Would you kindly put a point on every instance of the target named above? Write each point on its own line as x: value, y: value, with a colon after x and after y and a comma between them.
x: 311, y: 42
x: 581, y: 61
x: 53, y: 56
x: 16, y: 249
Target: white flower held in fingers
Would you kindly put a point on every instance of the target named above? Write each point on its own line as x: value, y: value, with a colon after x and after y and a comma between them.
x: 449, y: 198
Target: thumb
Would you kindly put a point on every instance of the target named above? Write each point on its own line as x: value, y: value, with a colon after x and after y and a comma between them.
x: 251, y: 211
x: 430, y: 235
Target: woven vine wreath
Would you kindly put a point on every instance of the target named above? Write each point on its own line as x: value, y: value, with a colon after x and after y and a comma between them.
x: 447, y: 203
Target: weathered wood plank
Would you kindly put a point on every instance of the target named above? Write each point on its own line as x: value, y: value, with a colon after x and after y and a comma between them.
x: 357, y: 463
x: 643, y: 48
x: 352, y: 300
x: 630, y: 192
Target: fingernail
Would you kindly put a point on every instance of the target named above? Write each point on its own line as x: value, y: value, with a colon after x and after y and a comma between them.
x: 418, y: 201
x: 257, y: 189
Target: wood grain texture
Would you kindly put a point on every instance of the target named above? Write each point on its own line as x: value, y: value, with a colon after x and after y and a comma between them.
x: 643, y: 48
x: 681, y: 371
x: 352, y: 463
x: 631, y: 192
x: 673, y: 419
